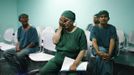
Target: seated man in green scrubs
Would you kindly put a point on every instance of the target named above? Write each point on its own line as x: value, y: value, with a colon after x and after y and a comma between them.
x: 28, y: 42
x: 70, y: 41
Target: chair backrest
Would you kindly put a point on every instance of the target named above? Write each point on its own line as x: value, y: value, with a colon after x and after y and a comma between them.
x: 120, y: 43
x: 131, y: 38
x: 9, y: 35
x: 15, y: 37
x: 121, y: 38
x: 47, y: 35
x: 89, y: 43
x: 39, y: 31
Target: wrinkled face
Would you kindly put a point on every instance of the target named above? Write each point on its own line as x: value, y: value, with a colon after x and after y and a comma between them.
x: 103, y: 19
x: 23, y: 20
x: 65, y: 22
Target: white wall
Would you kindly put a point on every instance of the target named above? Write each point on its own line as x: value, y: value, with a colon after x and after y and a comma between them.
x: 47, y: 12
x: 8, y: 15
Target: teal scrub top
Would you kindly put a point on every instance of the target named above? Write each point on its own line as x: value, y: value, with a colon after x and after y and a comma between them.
x: 27, y: 37
x: 103, y: 35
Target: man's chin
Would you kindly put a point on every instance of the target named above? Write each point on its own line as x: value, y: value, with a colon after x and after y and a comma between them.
x: 103, y: 23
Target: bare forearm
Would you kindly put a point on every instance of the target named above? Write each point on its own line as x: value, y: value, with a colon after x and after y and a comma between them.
x: 94, y: 41
x: 57, y: 36
x: 31, y: 45
x: 111, y: 47
x: 98, y: 52
x: 17, y: 46
x: 107, y: 56
x: 79, y: 57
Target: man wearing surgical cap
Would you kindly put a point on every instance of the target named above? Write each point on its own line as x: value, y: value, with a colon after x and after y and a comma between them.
x: 69, y: 14
x: 70, y: 42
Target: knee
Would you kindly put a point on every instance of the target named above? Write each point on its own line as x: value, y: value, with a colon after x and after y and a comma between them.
x: 20, y: 55
x: 5, y: 54
x: 9, y: 53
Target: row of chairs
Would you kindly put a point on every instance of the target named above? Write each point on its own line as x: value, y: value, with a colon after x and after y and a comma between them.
x: 45, y: 35
x: 126, y: 43
x: 10, y: 38
x: 46, y: 44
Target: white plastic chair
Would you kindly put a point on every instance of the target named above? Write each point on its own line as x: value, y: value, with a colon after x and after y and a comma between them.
x: 121, y: 37
x: 46, y: 36
x: 130, y: 42
x: 9, y: 36
x: 121, y: 40
x: 89, y: 43
x: 131, y: 38
x: 39, y: 31
x: 47, y: 39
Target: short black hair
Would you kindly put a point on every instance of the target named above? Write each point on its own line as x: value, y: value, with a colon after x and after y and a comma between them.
x: 97, y: 15
x: 23, y: 15
x: 104, y: 12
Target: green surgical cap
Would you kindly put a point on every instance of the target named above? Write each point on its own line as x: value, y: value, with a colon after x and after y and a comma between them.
x: 69, y: 14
